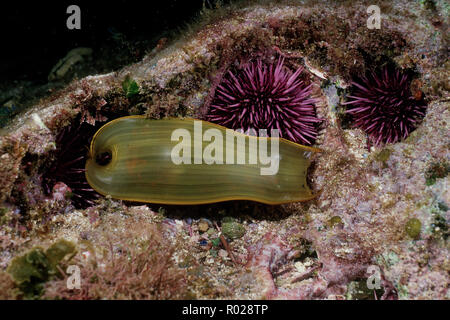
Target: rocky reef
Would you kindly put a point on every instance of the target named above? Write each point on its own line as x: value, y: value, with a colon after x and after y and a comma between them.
x: 382, y: 207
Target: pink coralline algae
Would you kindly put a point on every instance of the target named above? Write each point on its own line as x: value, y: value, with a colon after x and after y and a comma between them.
x: 265, y: 259
x: 267, y: 96
x: 61, y: 191
x: 383, y: 106
x: 328, y: 278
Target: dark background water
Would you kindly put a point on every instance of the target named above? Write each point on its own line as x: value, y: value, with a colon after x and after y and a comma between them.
x: 34, y: 35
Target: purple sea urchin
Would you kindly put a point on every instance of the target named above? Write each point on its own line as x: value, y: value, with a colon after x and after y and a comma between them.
x: 266, y: 96
x: 69, y: 165
x: 383, y: 106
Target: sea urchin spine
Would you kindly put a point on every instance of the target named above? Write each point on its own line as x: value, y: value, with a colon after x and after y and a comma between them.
x: 384, y: 107
x: 267, y: 96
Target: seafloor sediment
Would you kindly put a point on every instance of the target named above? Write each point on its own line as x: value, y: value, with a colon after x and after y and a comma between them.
x: 385, y: 207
